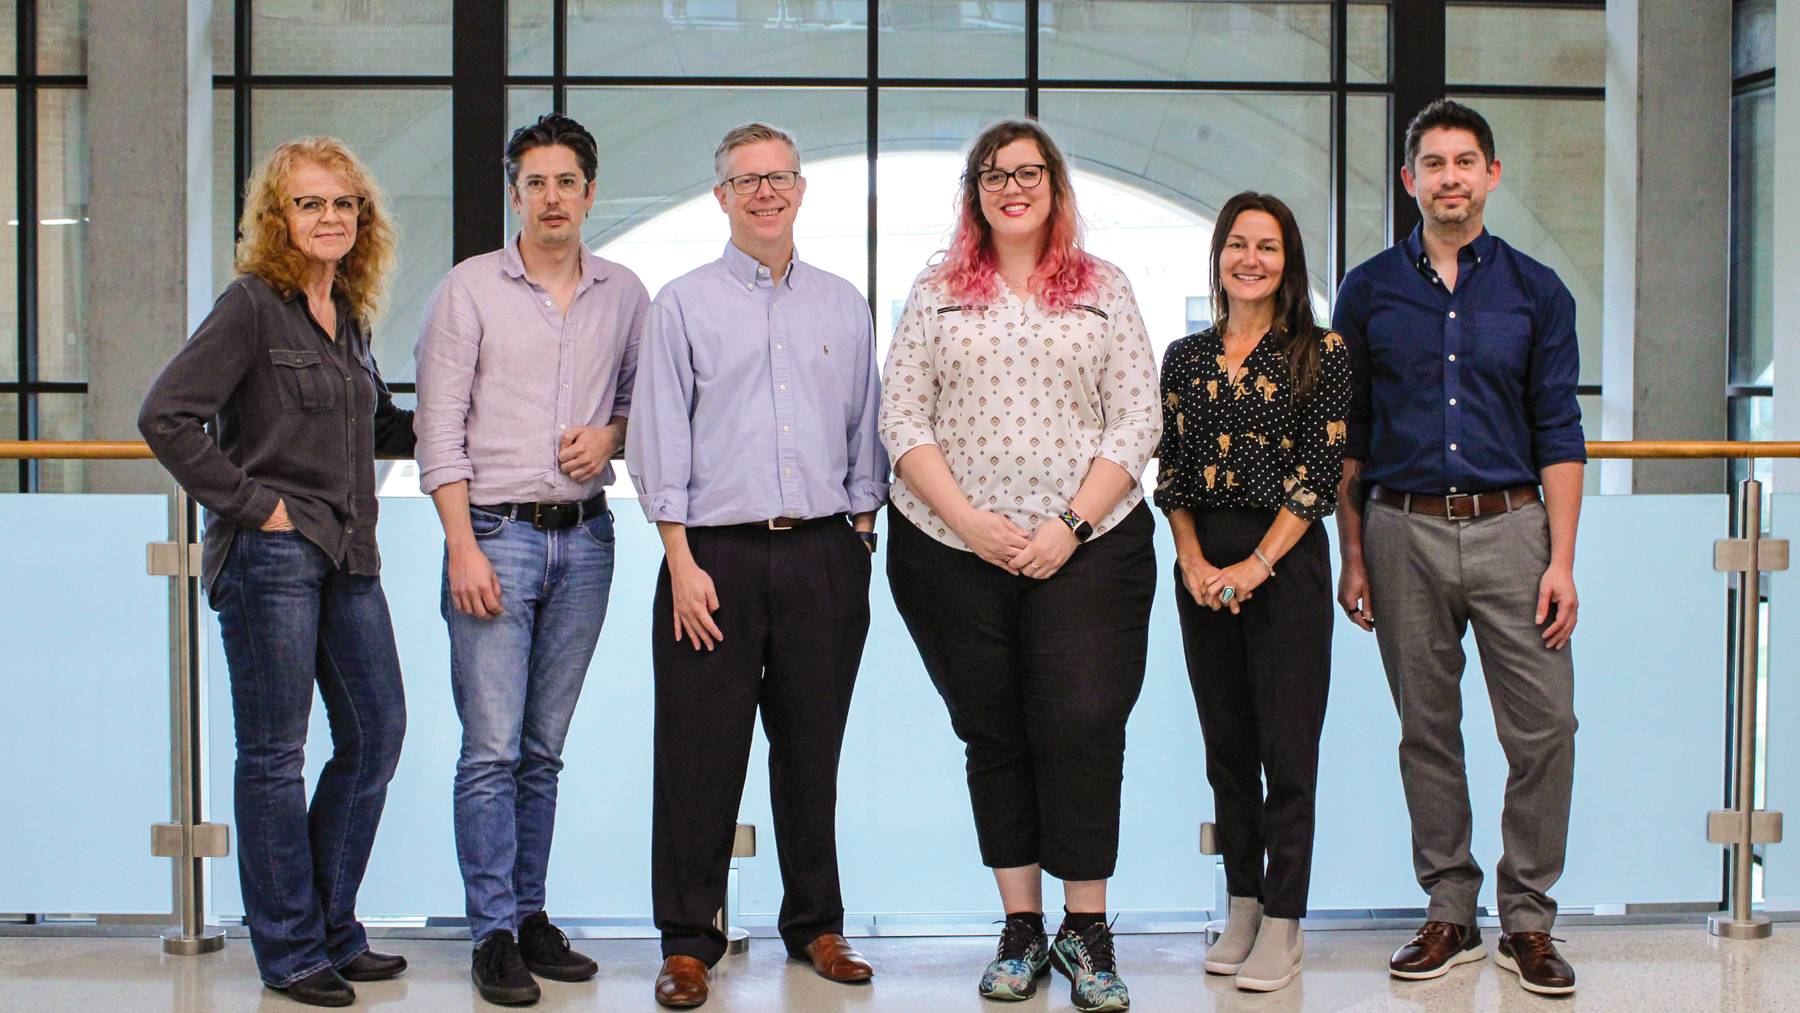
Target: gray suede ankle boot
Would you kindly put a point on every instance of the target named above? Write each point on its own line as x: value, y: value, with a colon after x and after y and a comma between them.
x: 1275, y: 958
x: 1232, y: 948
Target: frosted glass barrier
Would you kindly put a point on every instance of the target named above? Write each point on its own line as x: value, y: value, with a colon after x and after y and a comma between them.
x: 84, y: 732
x: 1781, y: 630
x: 1648, y: 695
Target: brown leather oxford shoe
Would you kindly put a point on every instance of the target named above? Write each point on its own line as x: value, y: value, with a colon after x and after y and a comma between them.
x: 1437, y: 948
x: 834, y: 958
x: 682, y: 983
x: 1533, y: 957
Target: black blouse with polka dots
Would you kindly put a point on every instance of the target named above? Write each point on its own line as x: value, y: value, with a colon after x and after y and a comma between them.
x: 1246, y: 441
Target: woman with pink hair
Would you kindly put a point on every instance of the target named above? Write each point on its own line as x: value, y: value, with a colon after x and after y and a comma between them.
x: 1020, y: 405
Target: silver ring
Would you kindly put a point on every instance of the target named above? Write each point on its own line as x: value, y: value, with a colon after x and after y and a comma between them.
x: 1227, y: 594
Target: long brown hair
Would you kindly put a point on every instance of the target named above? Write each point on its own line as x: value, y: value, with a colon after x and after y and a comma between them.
x: 1064, y: 271
x: 264, y: 248
x: 1295, y: 325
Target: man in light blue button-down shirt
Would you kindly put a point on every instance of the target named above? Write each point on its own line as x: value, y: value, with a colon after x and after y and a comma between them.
x: 753, y: 445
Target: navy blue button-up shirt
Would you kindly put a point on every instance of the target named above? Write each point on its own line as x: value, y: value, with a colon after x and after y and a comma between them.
x: 1459, y: 391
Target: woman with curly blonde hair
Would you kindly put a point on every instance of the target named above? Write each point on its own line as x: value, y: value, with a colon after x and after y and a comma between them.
x: 271, y: 416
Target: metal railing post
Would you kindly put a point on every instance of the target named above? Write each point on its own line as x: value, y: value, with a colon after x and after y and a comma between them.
x: 187, y: 838
x: 743, y: 845
x: 1742, y: 827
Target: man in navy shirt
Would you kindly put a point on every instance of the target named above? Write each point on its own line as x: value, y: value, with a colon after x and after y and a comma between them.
x: 1463, y: 404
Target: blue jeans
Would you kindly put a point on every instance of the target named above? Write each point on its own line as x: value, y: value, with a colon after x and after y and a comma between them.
x: 290, y: 619
x: 515, y: 678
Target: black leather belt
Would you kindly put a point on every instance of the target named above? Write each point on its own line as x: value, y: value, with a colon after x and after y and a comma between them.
x: 790, y: 523
x: 549, y: 516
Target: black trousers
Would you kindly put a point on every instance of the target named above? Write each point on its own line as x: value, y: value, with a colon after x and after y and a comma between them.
x: 794, y: 609
x: 1039, y: 677
x: 1260, y: 679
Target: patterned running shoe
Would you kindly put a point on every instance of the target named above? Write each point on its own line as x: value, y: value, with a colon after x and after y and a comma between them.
x: 1023, y: 957
x: 1086, y: 959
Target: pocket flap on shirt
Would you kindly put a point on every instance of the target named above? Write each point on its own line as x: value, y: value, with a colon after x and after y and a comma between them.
x: 293, y: 357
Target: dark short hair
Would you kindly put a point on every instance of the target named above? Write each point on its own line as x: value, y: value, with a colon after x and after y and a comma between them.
x: 1454, y: 116
x: 553, y: 128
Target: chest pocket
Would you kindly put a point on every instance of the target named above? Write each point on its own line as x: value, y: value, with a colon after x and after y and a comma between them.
x: 303, y: 381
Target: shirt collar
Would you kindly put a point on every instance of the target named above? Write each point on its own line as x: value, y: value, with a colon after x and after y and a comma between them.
x: 1481, y: 248
x: 512, y: 263
x: 746, y: 270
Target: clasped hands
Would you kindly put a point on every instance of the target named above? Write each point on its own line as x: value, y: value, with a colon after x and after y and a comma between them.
x: 1001, y: 542
x: 1206, y: 582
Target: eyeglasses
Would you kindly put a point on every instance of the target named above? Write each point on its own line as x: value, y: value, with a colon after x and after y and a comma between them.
x: 312, y: 206
x: 569, y: 185
x: 1028, y: 176
x: 750, y: 182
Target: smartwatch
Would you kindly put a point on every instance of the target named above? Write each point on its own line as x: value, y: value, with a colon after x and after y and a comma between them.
x: 1083, y: 530
x: 868, y: 538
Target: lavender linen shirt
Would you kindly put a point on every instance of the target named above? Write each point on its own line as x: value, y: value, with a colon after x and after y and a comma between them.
x: 757, y: 398
x: 503, y: 373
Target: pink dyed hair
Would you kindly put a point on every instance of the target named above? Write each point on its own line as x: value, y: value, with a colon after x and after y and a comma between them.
x: 1064, y: 271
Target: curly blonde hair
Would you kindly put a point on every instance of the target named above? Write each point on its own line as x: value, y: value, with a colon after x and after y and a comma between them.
x: 265, y: 250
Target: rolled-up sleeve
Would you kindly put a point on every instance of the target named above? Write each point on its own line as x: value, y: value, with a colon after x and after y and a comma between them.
x: 1320, y: 435
x: 909, y: 381
x: 659, y: 443
x: 1550, y: 394
x: 867, y: 481
x: 1130, y: 396
x: 189, y: 392
x: 1347, y: 321
x: 446, y: 355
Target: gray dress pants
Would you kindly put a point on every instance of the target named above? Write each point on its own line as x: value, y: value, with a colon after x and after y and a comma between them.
x: 1429, y: 579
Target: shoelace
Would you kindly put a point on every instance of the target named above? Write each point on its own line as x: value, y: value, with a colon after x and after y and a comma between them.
x: 501, y: 960
x: 1535, y: 944
x: 1451, y: 933
x: 1096, y: 948
x: 555, y: 938
x: 1016, y: 938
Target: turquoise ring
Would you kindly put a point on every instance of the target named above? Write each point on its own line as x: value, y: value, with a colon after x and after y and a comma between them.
x: 1227, y: 594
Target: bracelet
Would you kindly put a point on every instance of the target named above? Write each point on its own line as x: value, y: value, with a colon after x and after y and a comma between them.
x: 1264, y: 560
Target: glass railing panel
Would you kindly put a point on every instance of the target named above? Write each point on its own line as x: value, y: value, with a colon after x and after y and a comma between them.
x: 84, y: 730
x: 1648, y: 754
x: 1781, y: 862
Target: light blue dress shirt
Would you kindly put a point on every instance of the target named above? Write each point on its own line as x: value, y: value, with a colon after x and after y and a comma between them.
x: 756, y: 398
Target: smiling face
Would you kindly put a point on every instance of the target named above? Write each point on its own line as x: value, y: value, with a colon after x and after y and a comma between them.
x: 552, y: 195
x: 1450, y: 177
x: 324, y: 238
x: 1014, y: 211
x: 764, y: 218
x: 1251, y: 263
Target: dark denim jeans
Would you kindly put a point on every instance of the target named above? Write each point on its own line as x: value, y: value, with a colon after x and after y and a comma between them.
x: 290, y: 619
x: 515, y: 678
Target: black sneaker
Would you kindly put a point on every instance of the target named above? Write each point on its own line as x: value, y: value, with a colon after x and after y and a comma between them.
x: 499, y: 972
x: 1086, y: 959
x: 547, y: 953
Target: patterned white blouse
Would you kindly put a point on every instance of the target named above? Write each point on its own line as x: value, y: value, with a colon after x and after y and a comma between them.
x: 1021, y: 399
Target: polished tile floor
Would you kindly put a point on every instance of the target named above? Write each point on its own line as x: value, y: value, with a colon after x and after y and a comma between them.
x: 1627, y: 968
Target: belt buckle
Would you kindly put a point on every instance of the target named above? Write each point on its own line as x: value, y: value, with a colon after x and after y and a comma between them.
x: 1450, y: 509
x: 791, y: 524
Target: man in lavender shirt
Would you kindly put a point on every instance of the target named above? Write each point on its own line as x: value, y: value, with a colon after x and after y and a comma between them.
x: 755, y: 452
x: 525, y: 373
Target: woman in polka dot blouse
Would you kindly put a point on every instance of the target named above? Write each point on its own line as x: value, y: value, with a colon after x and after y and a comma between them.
x: 1250, y: 460
x: 1020, y: 405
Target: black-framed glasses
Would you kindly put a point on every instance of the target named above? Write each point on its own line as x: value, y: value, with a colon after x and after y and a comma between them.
x: 750, y: 182
x: 1028, y: 176
x: 312, y: 205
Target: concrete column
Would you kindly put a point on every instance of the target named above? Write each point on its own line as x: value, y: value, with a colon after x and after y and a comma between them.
x: 1668, y: 144
x: 1786, y: 227
x: 149, y: 115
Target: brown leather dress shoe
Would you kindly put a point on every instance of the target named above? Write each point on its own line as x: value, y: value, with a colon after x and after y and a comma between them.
x: 681, y: 983
x: 834, y: 958
x: 1437, y: 948
x: 1533, y: 957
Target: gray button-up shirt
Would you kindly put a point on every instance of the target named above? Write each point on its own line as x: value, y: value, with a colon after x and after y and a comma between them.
x: 757, y: 398
x: 503, y: 374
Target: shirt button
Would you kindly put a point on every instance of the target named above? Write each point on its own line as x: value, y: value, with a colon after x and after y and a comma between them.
x: 784, y: 429
x: 1452, y: 357
x: 749, y: 286
x: 787, y: 471
x: 1453, y: 488
x: 1452, y: 446
x: 781, y: 386
x: 1453, y: 314
x: 778, y: 346
x: 1453, y: 401
x: 549, y: 303
x: 565, y: 427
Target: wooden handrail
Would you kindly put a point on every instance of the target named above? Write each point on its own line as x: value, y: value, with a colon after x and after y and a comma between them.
x: 132, y: 450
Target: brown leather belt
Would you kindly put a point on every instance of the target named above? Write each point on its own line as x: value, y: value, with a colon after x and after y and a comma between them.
x: 1462, y: 506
